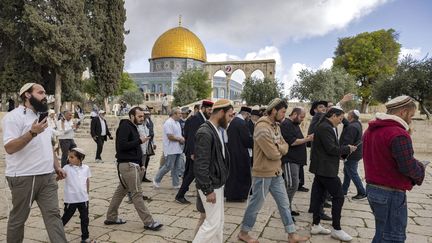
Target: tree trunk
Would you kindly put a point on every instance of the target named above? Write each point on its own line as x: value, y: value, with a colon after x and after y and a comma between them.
x: 4, y: 104
x: 425, y: 110
x: 57, y: 93
x: 364, y: 105
x: 107, y: 107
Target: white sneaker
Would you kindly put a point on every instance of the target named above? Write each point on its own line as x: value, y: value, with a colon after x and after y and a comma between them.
x: 176, y: 187
x: 340, y: 235
x: 319, y: 230
x: 155, y: 184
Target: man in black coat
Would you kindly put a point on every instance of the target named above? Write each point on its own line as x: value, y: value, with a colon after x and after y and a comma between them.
x: 239, y: 142
x: 211, y: 168
x: 352, y: 134
x: 99, y: 132
x: 325, y: 158
x: 191, y: 126
x: 150, y: 126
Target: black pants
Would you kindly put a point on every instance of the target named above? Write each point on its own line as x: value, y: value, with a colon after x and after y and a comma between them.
x: 69, y: 211
x: 66, y: 145
x: 333, y: 185
x: 146, y: 163
x: 100, y: 143
x: 188, y: 178
x: 301, y: 177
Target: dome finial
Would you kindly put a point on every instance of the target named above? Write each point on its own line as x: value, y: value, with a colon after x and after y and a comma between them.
x: 180, y: 20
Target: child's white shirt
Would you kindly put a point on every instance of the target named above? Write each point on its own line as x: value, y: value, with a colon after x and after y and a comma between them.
x: 75, y: 188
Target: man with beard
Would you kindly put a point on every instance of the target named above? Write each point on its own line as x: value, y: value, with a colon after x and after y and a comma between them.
x: 99, y: 132
x: 67, y: 133
x: 150, y: 152
x: 211, y: 168
x: 391, y: 168
x: 325, y: 158
x: 190, y: 128
x: 239, y: 142
x: 30, y: 165
x: 130, y: 170
x: 269, y: 147
x: 296, y: 156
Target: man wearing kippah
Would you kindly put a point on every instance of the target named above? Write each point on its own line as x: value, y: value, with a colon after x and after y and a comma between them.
x: 30, y: 165
x: 211, y: 169
x: 390, y: 168
x: 269, y: 147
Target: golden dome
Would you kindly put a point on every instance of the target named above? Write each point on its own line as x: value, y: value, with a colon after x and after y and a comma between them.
x: 179, y: 42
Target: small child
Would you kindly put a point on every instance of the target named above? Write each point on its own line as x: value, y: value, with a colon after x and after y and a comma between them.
x: 76, y: 191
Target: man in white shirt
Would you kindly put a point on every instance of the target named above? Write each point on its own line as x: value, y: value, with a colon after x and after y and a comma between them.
x: 172, y: 141
x: 99, y: 132
x: 67, y: 129
x: 30, y: 165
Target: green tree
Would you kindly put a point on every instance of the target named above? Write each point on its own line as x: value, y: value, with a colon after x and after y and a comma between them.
x: 368, y: 56
x: 324, y: 84
x: 126, y: 84
x: 133, y: 97
x: 192, y: 81
x: 260, y: 91
x: 107, y: 18
x: 413, y: 78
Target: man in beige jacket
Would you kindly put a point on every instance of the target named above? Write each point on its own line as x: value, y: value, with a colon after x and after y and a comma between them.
x: 269, y: 147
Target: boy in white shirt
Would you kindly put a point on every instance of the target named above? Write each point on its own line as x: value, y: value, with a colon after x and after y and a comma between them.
x: 76, y: 190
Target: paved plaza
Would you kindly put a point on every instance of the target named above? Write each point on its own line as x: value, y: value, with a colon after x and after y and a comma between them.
x: 180, y: 220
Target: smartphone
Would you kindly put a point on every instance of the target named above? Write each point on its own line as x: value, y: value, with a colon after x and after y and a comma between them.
x: 42, y: 116
x: 359, y: 143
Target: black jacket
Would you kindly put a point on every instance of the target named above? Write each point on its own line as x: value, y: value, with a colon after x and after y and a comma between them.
x: 150, y: 126
x: 291, y: 132
x: 326, y: 151
x: 190, y: 128
x: 128, y: 143
x: 352, y: 135
x: 96, y: 128
x: 211, y: 169
x: 314, y: 124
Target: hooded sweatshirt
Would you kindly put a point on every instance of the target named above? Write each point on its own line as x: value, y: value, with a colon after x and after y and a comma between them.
x: 388, y: 155
x: 268, y: 149
x: 128, y: 143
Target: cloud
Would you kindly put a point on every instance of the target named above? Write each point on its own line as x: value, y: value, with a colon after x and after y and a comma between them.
x: 414, y: 53
x: 327, y: 64
x: 221, y: 57
x: 236, y: 24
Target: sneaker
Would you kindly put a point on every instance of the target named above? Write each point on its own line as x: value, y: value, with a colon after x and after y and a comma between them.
x: 176, y: 187
x: 302, y: 189
x: 155, y: 184
x: 359, y: 197
x: 319, y: 230
x: 154, y: 226
x: 182, y: 200
x: 325, y: 217
x: 146, y: 180
x: 295, y: 213
x: 340, y: 235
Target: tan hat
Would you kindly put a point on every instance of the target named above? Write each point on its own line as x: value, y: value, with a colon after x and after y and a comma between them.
x: 273, y: 104
x: 222, y: 103
x: 79, y: 150
x: 25, y: 87
x: 398, y: 102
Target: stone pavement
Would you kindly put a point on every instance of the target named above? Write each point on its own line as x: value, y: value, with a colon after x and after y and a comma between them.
x: 180, y: 220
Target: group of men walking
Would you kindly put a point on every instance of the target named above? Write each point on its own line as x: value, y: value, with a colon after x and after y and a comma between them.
x: 237, y: 157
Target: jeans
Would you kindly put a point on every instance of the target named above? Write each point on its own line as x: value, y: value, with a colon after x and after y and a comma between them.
x: 391, y: 214
x: 320, y: 186
x: 261, y: 186
x: 172, y: 163
x: 350, y: 173
x: 188, y: 178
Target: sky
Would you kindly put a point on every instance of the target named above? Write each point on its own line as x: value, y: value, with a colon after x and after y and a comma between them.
x: 298, y: 34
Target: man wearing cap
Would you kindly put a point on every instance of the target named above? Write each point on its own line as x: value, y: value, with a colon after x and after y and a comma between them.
x: 99, y: 132
x: 211, y: 169
x: 66, y: 136
x: 269, y: 147
x: 255, y: 115
x: 30, y: 165
x: 239, y: 142
x: 390, y: 168
x: 352, y: 134
x: 191, y: 126
x: 325, y: 158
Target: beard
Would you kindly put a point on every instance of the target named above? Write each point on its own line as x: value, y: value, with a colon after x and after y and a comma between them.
x: 207, y: 115
x: 136, y: 122
x: 39, y: 105
x: 223, y: 122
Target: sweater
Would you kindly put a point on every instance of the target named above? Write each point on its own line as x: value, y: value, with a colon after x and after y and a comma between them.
x: 128, y: 143
x: 268, y: 149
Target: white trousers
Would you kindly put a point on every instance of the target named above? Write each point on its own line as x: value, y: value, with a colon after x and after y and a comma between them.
x: 211, y: 231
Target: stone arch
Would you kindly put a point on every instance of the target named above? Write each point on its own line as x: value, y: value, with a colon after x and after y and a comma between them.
x: 258, y: 74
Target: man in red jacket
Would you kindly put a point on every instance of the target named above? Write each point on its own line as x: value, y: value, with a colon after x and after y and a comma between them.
x: 391, y: 168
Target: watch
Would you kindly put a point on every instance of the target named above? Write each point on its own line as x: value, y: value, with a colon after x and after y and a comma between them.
x: 33, y: 134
